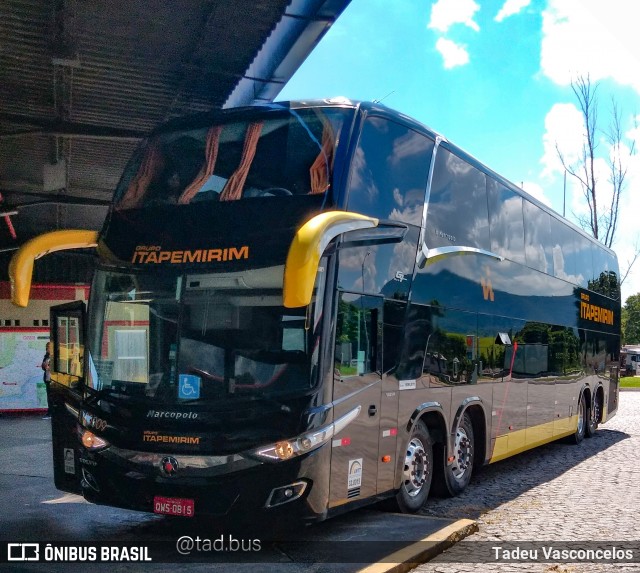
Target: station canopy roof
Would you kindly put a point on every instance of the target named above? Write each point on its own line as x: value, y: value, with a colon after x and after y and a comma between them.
x: 82, y: 82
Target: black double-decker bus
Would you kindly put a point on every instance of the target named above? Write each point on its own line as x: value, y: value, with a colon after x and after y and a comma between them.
x: 307, y: 307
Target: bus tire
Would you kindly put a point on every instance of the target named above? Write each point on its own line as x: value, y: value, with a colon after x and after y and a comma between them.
x: 417, y: 470
x: 453, y: 479
x: 593, y: 416
x: 581, y: 430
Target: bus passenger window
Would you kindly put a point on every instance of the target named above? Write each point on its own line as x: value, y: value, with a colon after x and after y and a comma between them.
x: 389, y: 174
x: 457, y: 211
x: 505, y: 218
x: 537, y: 234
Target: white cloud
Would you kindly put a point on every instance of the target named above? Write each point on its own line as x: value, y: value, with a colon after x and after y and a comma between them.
x: 453, y: 54
x: 564, y: 127
x: 510, y: 8
x: 446, y: 13
x: 590, y: 36
x: 628, y: 234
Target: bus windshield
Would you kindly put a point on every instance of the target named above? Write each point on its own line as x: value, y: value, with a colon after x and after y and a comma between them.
x: 174, y: 339
x: 286, y: 153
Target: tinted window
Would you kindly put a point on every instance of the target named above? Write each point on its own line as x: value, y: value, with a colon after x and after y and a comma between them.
x: 457, y: 213
x: 537, y: 235
x: 505, y: 216
x: 584, y: 260
x: 605, y: 273
x: 389, y: 172
x: 356, y: 335
x: 285, y: 154
x: 561, y: 240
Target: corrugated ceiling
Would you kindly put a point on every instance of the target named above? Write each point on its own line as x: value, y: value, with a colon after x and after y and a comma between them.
x: 80, y: 82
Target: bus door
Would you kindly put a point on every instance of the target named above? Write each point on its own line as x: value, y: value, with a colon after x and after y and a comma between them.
x: 356, y: 383
x: 65, y: 392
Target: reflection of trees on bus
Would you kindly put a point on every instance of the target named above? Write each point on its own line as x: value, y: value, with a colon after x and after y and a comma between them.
x: 446, y: 358
x: 607, y: 284
x: 353, y: 340
x: 544, y: 350
x: 540, y: 350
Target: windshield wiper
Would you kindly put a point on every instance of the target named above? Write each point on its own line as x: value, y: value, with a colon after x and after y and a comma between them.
x: 105, y: 393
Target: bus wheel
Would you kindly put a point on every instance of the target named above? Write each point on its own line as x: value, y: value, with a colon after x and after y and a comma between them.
x: 582, y: 420
x: 418, y: 470
x: 593, y: 417
x: 454, y: 478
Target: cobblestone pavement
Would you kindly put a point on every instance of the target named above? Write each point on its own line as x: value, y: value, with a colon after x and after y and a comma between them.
x: 558, y: 493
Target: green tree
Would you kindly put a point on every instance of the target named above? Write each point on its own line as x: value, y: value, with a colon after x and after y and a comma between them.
x: 631, y: 320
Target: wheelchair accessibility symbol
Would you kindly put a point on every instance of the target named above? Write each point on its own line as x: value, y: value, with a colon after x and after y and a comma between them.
x: 188, y: 387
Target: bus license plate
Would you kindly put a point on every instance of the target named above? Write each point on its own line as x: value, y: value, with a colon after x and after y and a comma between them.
x: 173, y: 506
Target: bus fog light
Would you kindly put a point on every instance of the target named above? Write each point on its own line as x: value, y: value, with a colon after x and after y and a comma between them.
x: 89, y: 481
x: 285, y: 494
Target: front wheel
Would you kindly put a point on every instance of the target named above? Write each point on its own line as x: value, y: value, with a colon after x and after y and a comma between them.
x: 453, y: 479
x: 417, y: 471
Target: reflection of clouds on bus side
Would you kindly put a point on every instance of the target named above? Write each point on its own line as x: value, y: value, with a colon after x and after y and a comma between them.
x: 559, y: 267
x: 506, y: 223
x: 508, y: 277
x: 409, y: 145
x: 412, y: 202
x: 537, y: 234
x: 403, y: 258
x: 361, y: 179
x: 457, y: 166
x: 457, y: 210
x: 351, y: 259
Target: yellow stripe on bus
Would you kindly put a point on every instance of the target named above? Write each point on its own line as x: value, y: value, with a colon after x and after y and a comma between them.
x: 528, y: 438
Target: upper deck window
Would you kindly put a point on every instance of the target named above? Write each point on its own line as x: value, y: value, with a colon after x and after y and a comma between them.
x: 539, y: 241
x: 389, y: 171
x: 280, y: 154
x: 457, y: 211
x: 505, y: 217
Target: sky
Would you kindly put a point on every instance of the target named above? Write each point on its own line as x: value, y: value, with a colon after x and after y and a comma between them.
x: 494, y: 77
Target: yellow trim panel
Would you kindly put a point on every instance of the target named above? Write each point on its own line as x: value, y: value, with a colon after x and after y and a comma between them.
x: 307, y: 247
x: 528, y: 438
x: 21, y: 265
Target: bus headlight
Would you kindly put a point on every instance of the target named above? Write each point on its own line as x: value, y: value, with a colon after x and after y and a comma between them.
x: 90, y: 440
x: 287, y: 449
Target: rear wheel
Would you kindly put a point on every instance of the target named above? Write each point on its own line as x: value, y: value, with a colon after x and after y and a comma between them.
x: 593, y: 416
x: 453, y: 479
x: 417, y: 471
x: 580, y: 432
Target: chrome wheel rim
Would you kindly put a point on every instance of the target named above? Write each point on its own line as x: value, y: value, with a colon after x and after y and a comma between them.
x: 595, y: 419
x: 581, y: 416
x: 416, y: 467
x: 462, y: 454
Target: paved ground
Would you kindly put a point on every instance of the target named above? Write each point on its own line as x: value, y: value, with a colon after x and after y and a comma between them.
x: 561, y: 493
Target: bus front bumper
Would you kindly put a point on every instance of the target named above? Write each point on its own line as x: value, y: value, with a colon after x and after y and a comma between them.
x: 213, y: 485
